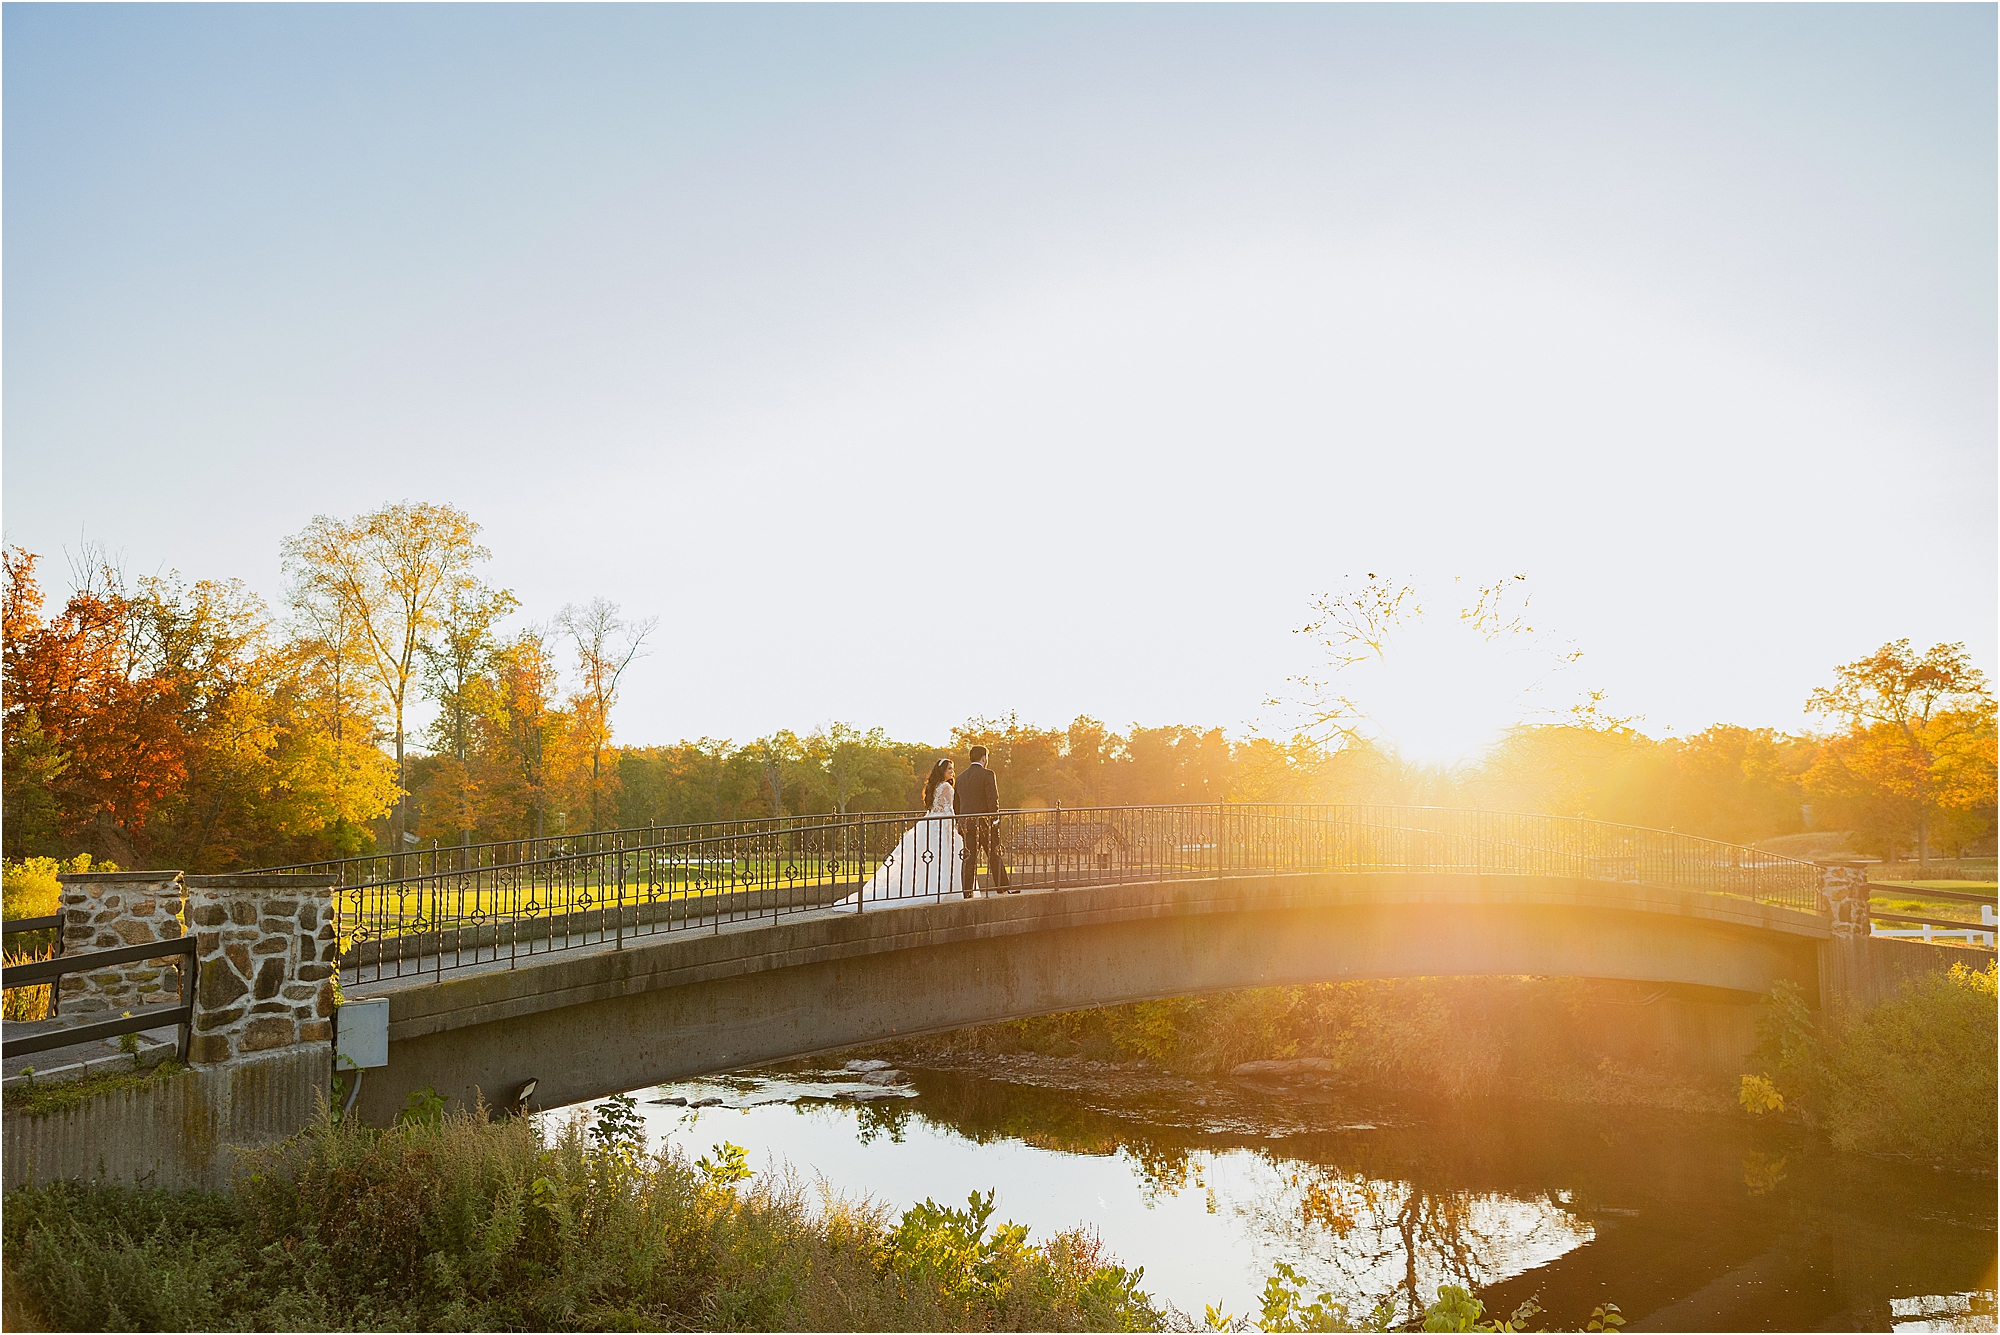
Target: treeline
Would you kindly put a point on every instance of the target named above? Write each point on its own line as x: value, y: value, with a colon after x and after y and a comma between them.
x: 1911, y: 762
x: 155, y: 721
x: 158, y: 722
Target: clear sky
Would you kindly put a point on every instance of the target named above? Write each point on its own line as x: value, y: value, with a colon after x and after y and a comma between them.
x: 913, y: 363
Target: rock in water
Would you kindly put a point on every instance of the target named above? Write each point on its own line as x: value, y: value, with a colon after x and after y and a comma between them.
x: 1286, y: 1070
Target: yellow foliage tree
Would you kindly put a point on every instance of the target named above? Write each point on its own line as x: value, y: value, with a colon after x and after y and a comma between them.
x: 1917, y: 758
x: 389, y: 576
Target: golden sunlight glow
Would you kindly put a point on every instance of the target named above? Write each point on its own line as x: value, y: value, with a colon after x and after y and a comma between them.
x: 1437, y: 675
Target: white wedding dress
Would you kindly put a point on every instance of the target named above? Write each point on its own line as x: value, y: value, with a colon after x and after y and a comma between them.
x: 926, y: 862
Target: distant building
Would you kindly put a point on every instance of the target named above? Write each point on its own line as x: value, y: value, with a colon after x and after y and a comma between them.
x: 1087, y: 847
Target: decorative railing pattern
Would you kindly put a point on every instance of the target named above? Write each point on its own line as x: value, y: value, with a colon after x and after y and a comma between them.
x: 699, y: 878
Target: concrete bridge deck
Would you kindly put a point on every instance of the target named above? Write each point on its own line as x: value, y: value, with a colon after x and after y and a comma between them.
x: 588, y: 1022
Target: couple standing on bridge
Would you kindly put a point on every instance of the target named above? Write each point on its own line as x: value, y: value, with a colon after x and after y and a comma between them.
x: 939, y: 855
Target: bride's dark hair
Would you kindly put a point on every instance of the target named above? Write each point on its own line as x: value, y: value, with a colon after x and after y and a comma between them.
x: 936, y: 778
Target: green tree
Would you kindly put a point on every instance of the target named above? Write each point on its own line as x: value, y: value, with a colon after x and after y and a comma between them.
x: 859, y: 771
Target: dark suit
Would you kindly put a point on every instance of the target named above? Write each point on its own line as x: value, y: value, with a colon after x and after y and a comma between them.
x: 975, y: 798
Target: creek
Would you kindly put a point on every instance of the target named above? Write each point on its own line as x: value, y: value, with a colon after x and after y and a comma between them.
x: 1686, y: 1221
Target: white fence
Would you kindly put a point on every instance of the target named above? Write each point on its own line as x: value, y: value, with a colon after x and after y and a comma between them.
x: 1969, y: 935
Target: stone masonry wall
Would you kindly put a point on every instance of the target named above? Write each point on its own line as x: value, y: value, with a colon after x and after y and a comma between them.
x: 1843, y: 893
x: 105, y: 910
x: 266, y: 948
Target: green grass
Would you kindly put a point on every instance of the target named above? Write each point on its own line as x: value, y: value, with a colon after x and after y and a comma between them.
x: 1963, y: 887
x: 1909, y: 897
x: 38, y: 1098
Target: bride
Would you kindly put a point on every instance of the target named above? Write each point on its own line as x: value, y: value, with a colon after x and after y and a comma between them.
x: 926, y: 861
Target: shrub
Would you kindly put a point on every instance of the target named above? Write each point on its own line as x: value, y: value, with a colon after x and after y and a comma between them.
x: 29, y: 889
x: 1456, y: 1037
x: 456, y: 1223
x: 1913, y: 1075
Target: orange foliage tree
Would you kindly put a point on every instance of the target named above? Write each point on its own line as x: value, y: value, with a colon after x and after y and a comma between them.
x: 166, y: 722
x: 1917, y: 757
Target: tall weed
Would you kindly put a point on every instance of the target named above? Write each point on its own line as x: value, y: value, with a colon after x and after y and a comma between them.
x: 456, y: 1223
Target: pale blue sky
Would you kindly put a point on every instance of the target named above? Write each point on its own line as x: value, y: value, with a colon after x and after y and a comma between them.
x: 776, y: 322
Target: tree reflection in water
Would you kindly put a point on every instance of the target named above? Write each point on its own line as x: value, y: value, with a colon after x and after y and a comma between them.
x: 1374, y: 1221
x: 1359, y: 1236
x: 1687, y: 1222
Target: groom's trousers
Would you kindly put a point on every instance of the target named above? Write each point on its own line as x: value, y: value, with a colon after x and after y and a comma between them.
x: 982, y: 832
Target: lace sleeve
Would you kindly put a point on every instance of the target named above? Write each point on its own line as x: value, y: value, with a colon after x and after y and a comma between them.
x: 941, y: 799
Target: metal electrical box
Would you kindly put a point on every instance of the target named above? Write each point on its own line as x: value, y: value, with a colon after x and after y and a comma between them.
x: 363, y: 1027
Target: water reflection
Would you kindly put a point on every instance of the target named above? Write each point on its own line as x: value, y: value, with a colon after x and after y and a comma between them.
x: 1686, y: 1222
x: 1351, y: 1234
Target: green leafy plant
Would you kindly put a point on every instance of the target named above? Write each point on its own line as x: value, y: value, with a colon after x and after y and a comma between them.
x: 618, y: 1123
x: 730, y: 1165
x: 129, y: 1043
x: 1912, y: 1075
x: 1281, y: 1307
x: 1759, y: 1096
x: 1456, y: 1309
x: 421, y: 1107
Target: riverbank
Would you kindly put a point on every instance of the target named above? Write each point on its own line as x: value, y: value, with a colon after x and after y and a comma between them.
x: 1913, y: 1077
x: 807, y: 1198
x: 1371, y: 1169
x: 1539, y: 1039
x: 1211, y: 1183
x: 460, y: 1224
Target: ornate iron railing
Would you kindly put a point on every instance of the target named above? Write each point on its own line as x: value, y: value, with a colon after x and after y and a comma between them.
x: 702, y: 878
x: 438, y: 858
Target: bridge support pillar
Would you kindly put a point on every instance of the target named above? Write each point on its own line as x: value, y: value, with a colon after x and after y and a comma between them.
x: 103, y: 910
x: 1843, y: 892
x: 264, y: 947
x: 262, y: 1052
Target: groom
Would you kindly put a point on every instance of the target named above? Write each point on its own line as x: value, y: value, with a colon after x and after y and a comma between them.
x: 976, y: 798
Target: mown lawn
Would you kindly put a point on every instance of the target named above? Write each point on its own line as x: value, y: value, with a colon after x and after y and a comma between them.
x: 1909, y: 897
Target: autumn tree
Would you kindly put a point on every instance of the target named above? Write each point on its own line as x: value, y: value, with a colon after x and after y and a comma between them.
x: 344, y: 712
x: 525, y: 737
x: 456, y: 658
x: 392, y: 572
x: 605, y: 644
x: 167, y: 721
x: 1918, y: 748
x: 33, y: 760
x: 86, y: 692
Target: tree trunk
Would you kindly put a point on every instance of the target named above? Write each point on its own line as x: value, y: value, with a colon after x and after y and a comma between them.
x: 402, y: 819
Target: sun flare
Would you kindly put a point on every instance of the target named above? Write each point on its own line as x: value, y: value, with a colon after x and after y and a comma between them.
x: 1435, y: 676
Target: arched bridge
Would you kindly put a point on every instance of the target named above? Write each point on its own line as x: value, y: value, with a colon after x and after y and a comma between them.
x: 645, y: 956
